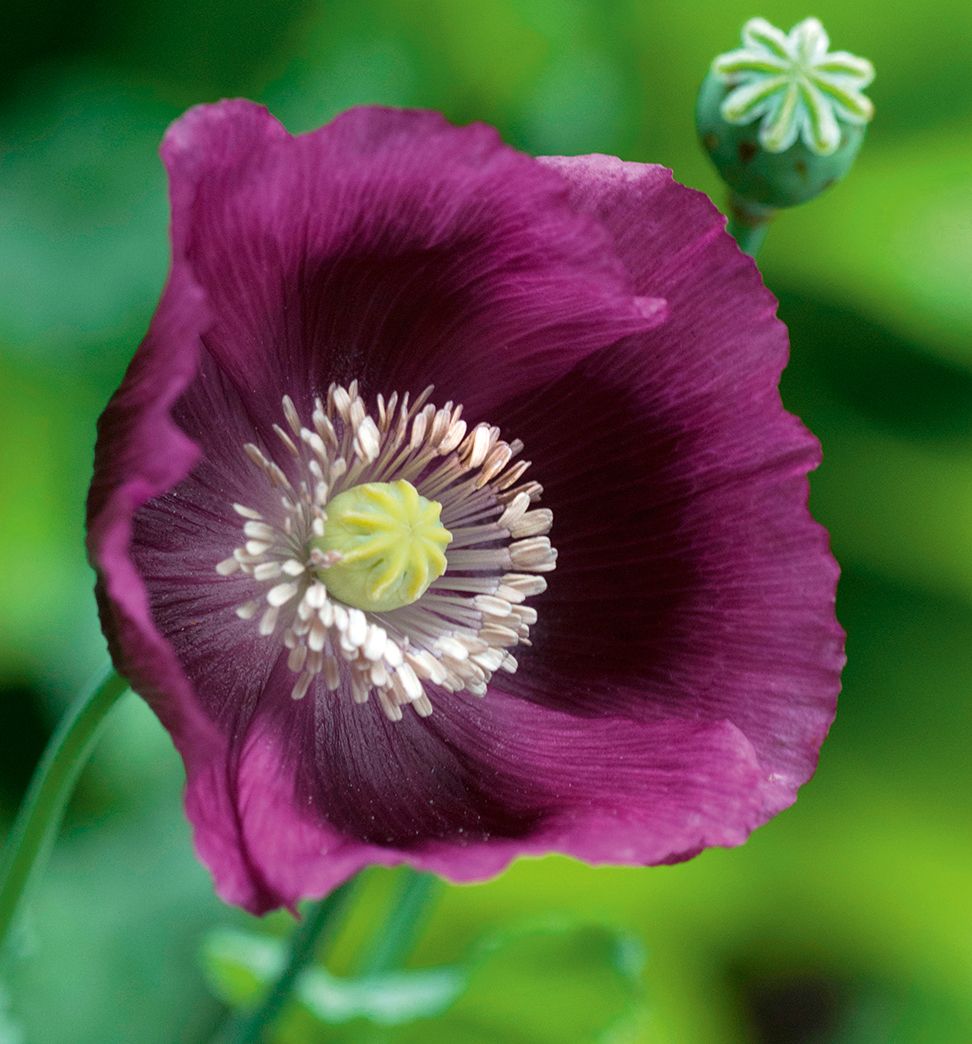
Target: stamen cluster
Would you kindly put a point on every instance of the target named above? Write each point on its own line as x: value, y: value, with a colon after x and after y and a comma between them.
x: 460, y: 631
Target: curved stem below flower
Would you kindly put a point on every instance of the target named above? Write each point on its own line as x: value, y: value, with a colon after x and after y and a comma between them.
x: 416, y: 893
x: 305, y: 944
x: 54, y: 779
x: 396, y: 938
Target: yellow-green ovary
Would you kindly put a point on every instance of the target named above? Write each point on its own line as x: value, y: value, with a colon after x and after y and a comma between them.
x: 390, y: 542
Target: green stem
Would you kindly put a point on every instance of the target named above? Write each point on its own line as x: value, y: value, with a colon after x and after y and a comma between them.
x: 390, y: 948
x: 305, y: 943
x: 748, y: 223
x: 415, y: 895
x: 54, y: 779
x: 750, y: 239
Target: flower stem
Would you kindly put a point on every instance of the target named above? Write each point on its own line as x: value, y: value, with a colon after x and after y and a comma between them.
x: 305, y: 943
x: 393, y: 943
x: 748, y: 223
x: 416, y: 893
x: 54, y: 779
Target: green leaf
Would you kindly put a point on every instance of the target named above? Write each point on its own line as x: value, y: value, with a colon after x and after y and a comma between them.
x: 387, y: 1000
x: 590, y: 975
x: 551, y: 982
x: 241, y: 965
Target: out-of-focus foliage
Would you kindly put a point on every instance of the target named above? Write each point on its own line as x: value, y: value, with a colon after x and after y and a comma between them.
x: 846, y: 919
x: 501, y: 990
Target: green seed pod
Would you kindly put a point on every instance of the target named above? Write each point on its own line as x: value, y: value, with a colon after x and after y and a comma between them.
x: 783, y: 118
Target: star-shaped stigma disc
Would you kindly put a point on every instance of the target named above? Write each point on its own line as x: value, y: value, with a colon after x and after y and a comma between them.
x: 794, y: 85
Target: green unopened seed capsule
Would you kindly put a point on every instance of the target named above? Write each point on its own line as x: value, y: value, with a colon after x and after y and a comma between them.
x: 783, y: 117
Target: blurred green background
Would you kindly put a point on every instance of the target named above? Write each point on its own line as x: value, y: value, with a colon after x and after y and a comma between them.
x: 849, y: 918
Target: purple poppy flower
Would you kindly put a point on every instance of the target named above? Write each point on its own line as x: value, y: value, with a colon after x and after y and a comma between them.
x: 330, y: 581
